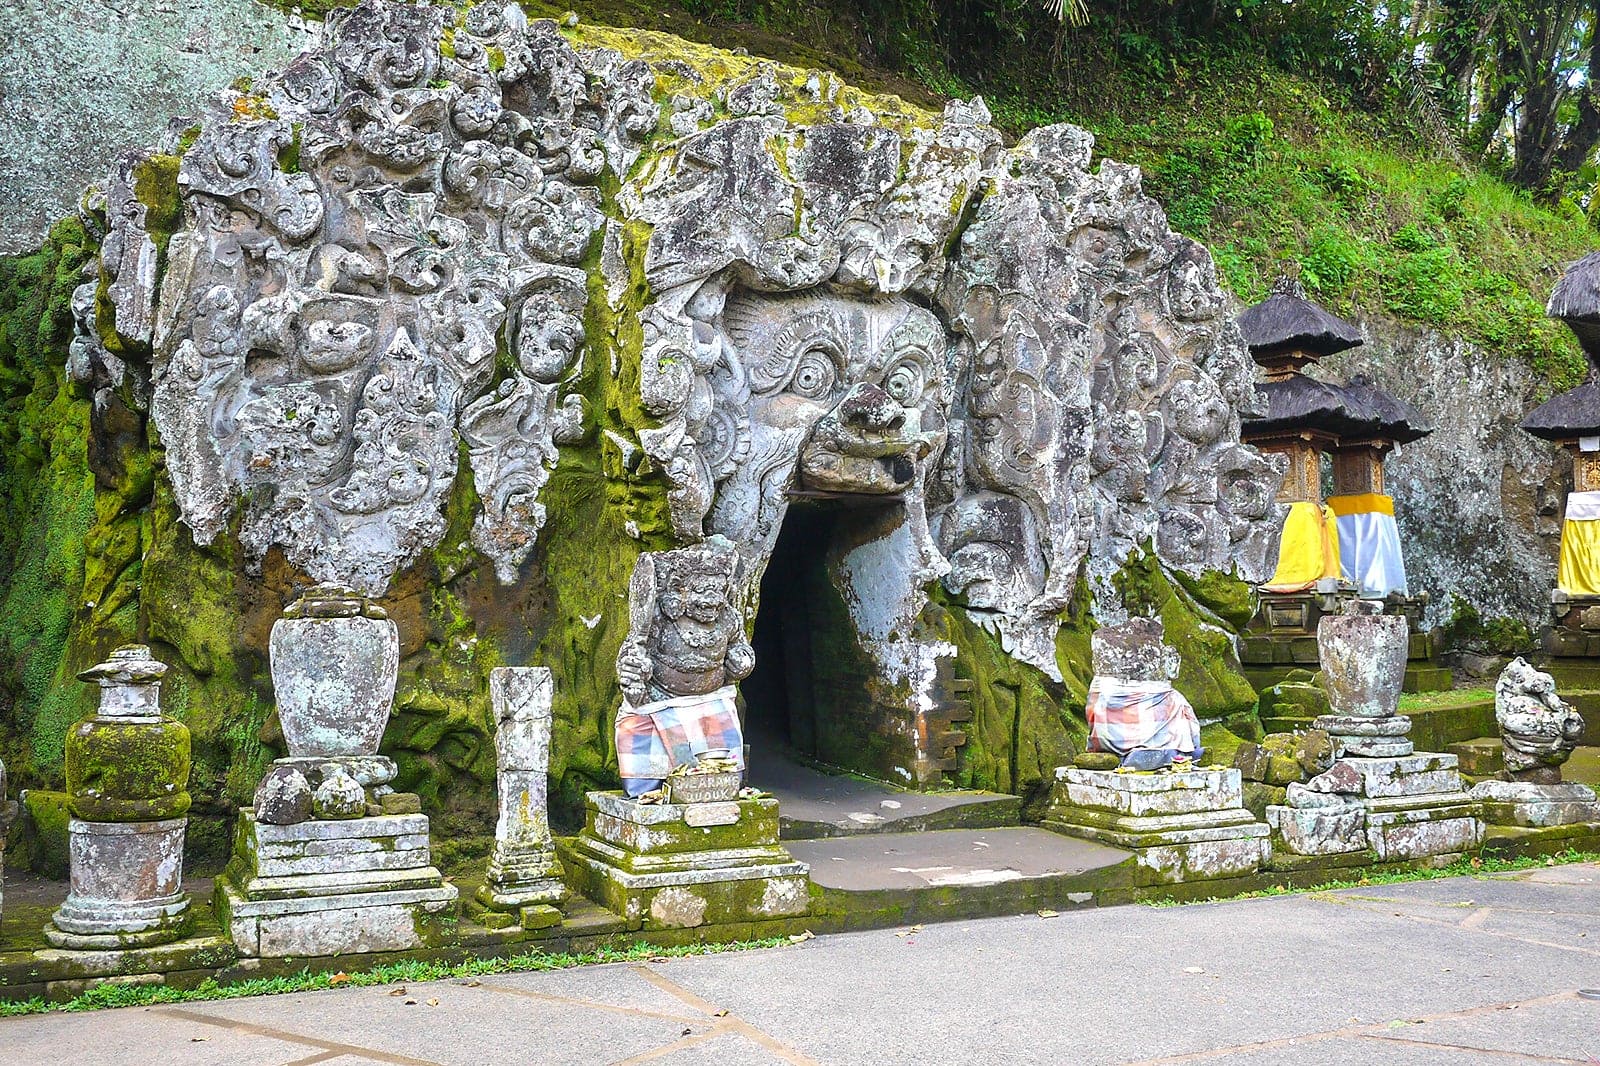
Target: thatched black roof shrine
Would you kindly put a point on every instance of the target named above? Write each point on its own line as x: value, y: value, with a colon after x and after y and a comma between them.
x: 1357, y: 411
x: 1576, y: 301
x: 1287, y: 321
x: 1574, y: 413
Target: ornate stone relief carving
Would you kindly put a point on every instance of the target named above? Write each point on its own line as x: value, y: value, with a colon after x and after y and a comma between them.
x: 361, y: 238
x: 385, y: 255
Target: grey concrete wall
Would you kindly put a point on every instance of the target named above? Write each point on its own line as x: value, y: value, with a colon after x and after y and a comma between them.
x: 82, y: 79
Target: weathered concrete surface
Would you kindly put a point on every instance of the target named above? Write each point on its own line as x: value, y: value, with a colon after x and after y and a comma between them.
x: 82, y: 79
x: 1478, y: 971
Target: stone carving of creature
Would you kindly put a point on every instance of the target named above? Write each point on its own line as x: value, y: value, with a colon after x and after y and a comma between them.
x: 1538, y: 729
x: 845, y: 396
x: 1134, y: 712
x: 997, y: 564
x: 684, y: 653
x: 686, y: 632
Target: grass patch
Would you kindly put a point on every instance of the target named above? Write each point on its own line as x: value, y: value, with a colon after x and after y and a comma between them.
x: 1471, y: 866
x: 1450, y: 698
x: 109, y: 995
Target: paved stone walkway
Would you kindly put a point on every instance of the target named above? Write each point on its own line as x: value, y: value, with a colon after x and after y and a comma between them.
x: 1479, y: 971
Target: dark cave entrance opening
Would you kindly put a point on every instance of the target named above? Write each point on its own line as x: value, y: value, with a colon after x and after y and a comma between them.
x: 811, y: 691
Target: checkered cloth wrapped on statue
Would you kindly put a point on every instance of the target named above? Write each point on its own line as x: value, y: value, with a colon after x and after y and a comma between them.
x: 655, y: 737
x: 1126, y: 716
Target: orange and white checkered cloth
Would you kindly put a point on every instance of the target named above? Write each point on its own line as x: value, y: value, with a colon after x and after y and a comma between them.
x: 1127, y: 716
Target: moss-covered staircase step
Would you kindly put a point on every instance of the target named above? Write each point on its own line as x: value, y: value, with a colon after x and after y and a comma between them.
x: 1480, y: 757
x: 1439, y: 719
x: 813, y: 804
x: 948, y: 874
x: 1426, y: 677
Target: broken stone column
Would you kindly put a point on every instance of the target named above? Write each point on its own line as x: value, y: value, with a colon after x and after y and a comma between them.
x: 127, y: 770
x: 331, y: 860
x: 1538, y: 730
x: 524, y: 873
x: 1380, y: 794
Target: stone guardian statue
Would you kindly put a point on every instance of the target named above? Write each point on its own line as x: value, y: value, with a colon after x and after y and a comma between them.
x: 685, y: 651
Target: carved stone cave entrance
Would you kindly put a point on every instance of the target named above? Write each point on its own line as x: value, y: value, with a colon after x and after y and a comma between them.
x: 818, y: 690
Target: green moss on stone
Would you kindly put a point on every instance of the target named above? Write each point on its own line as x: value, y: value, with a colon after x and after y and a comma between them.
x: 128, y: 771
x: 39, y: 840
x: 1201, y: 618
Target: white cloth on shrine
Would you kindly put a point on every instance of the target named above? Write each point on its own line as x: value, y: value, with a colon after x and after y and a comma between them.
x: 1369, y: 553
x: 1583, y: 506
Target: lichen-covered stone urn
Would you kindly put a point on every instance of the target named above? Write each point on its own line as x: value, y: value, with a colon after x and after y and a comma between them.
x: 127, y: 770
x: 1363, y: 654
x: 335, y: 657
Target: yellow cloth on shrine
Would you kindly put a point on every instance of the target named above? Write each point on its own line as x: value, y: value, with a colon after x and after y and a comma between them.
x: 1361, y: 503
x: 1580, y: 565
x: 1309, y: 550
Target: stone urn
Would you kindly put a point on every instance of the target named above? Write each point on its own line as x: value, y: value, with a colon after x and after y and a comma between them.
x: 335, y: 657
x: 1363, y: 657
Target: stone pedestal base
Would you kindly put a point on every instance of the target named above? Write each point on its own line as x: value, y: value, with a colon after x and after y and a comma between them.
x: 1182, y: 825
x: 1536, y: 806
x: 1332, y: 830
x: 331, y: 887
x: 1413, y: 807
x: 126, y: 886
x: 370, y: 771
x: 673, y: 866
x: 1376, y: 738
x: 524, y: 885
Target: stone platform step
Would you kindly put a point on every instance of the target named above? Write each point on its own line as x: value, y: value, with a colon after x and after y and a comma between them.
x: 1480, y: 757
x: 814, y: 804
x: 962, y: 873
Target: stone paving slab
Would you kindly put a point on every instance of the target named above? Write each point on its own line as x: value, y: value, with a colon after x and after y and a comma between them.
x: 1394, y: 974
x: 813, y: 803
x: 618, y: 985
x: 1552, y: 1028
x: 139, y: 1036
x: 949, y: 857
x: 468, y: 1025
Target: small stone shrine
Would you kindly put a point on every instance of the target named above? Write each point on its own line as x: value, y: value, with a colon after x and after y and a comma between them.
x: 330, y: 859
x: 1348, y: 543
x: 127, y: 771
x: 524, y: 880
x: 1538, y: 730
x: 680, y: 848
x: 1572, y: 420
x: 1182, y: 822
x: 1379, y: 794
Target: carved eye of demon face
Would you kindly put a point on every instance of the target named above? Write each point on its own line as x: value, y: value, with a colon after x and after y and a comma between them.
x: 814, y: 376
x: 905, y: 382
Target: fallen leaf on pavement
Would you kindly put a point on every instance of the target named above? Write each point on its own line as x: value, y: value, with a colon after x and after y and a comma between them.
x: 1194, y: 969
x: 1047, y: 913
x: 433, y: 1002
x: 340, y: 978
x: 398, y: 991
x: 802, y: 937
